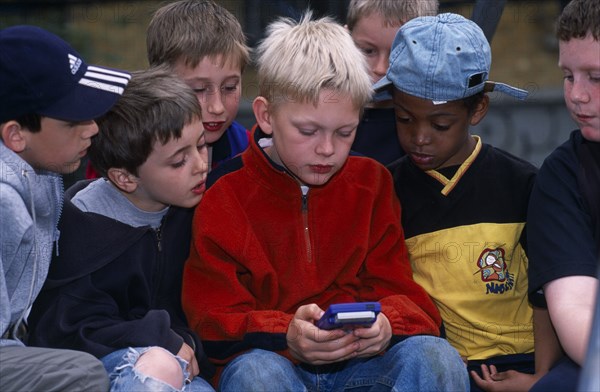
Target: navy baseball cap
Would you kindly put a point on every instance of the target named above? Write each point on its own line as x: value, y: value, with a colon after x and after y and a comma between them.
x: 41, y: 73
x: 441, y: 58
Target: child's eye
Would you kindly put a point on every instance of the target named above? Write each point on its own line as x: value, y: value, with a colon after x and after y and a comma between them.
x: 307, y: 132
x: 368, y: 51
x: 230, y: 88
x: 439, y: 127
x: 402, y: 120
x: 204, y: 89
x: 179, y: 164
x: 345, y: 134
x: 595, y: 78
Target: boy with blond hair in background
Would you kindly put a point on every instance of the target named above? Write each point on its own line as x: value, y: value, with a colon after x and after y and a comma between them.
x: 373, y: 25
x: 203, y: 43
x: 297, y: 225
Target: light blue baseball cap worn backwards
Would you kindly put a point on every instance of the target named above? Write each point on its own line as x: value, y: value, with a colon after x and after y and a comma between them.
x: 442, y: 58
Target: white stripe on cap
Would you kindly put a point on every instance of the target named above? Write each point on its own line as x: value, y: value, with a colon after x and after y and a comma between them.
x: 93, y: 68
x: 106, y: 78
x: 102, y: 86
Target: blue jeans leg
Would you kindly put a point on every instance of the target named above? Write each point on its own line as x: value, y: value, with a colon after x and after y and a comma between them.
x: 260, y: 370
x: 419, y: 363
x: 123, y: 376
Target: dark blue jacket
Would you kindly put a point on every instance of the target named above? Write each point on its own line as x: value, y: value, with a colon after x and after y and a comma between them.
x: 114, y: 286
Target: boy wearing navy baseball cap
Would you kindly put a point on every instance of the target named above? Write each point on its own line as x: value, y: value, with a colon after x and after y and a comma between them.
x: 49, y: 98
x: 464, y: 202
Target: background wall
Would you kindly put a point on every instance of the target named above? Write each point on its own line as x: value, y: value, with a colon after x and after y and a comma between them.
x: 524, y: 53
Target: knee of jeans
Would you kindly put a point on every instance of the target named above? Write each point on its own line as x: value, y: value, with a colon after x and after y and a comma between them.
x: 160, y: 364
x: 430, y: 349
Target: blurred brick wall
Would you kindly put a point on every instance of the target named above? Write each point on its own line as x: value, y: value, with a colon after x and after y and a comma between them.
x: 524, y: 49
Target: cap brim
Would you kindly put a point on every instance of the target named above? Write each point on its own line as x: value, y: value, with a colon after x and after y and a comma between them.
x: 94, y: 95
x: 506, y: 89
x: 382, y: 84
x: 383, y: 90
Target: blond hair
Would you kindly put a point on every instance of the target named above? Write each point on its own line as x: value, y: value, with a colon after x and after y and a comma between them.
x: 297, y: 60
x: 394, y: 12
x: 190, y: 30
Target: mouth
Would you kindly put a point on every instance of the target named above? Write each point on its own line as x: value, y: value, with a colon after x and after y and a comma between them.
x: 583, y: 117
x: 199, y: 189
x: 213, y: 126
x: 83, y: 152
x: 421, y: 159
x: 321, y: 169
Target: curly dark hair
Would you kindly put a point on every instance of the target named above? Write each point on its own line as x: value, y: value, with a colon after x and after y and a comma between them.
x: 578, y: 19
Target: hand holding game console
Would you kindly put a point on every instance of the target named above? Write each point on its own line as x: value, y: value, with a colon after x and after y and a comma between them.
x: 349, y: 316
x: 315, y: 346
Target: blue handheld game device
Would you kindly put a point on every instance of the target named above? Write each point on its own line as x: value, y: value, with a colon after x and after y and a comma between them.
x: 349, y: 315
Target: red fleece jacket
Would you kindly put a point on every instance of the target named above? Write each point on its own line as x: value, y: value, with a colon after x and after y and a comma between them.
x: 252, y: 263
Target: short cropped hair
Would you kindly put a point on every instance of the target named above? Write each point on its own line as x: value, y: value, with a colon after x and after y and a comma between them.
x: 578, y: 19
x: 32, y: 122
x: 297, y: 60
x: 155, y: 107
x: 190, y: 30
x: 394, y: 12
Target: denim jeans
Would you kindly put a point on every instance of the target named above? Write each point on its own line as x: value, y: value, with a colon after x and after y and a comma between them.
x: 120, y: 366
x: 418, y: 363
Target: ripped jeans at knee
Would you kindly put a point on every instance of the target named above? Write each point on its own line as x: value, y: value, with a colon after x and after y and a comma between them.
x: 123, y: 376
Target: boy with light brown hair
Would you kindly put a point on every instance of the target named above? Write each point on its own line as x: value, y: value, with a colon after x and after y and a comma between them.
x: 373, y: 25
x: 203, y: 43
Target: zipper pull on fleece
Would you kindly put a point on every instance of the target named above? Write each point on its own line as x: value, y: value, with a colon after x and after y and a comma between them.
x: 304, y: 190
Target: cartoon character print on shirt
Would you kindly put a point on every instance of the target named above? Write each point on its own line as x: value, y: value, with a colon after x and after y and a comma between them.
x: 493, y: 268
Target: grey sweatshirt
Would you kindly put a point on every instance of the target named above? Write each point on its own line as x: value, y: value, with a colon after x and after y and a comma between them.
x: 30, y: 205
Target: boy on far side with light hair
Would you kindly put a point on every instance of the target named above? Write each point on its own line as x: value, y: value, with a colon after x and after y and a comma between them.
x: 563, y: 220
x: 297, y: 225
x: 373, y: 25
x: 203, y: 43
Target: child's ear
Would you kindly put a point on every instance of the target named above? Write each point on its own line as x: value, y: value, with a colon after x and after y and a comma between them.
x: 480, y: 111
x: 122, y: 179
x: 260, y: 107
x: 13, y: 137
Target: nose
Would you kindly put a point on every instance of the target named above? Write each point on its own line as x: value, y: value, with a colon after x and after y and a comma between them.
x: 325, y: 146
x: 381, y: 66
x: 421, y: 137
x: 91, y: 129
x: 579, y: 91
x: 200, y: 161
x: 215, y: 102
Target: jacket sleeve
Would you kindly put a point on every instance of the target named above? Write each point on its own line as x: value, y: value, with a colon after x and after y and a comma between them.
x: 387, y: 273
x: 223, y: 278
x: 13, y: 228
